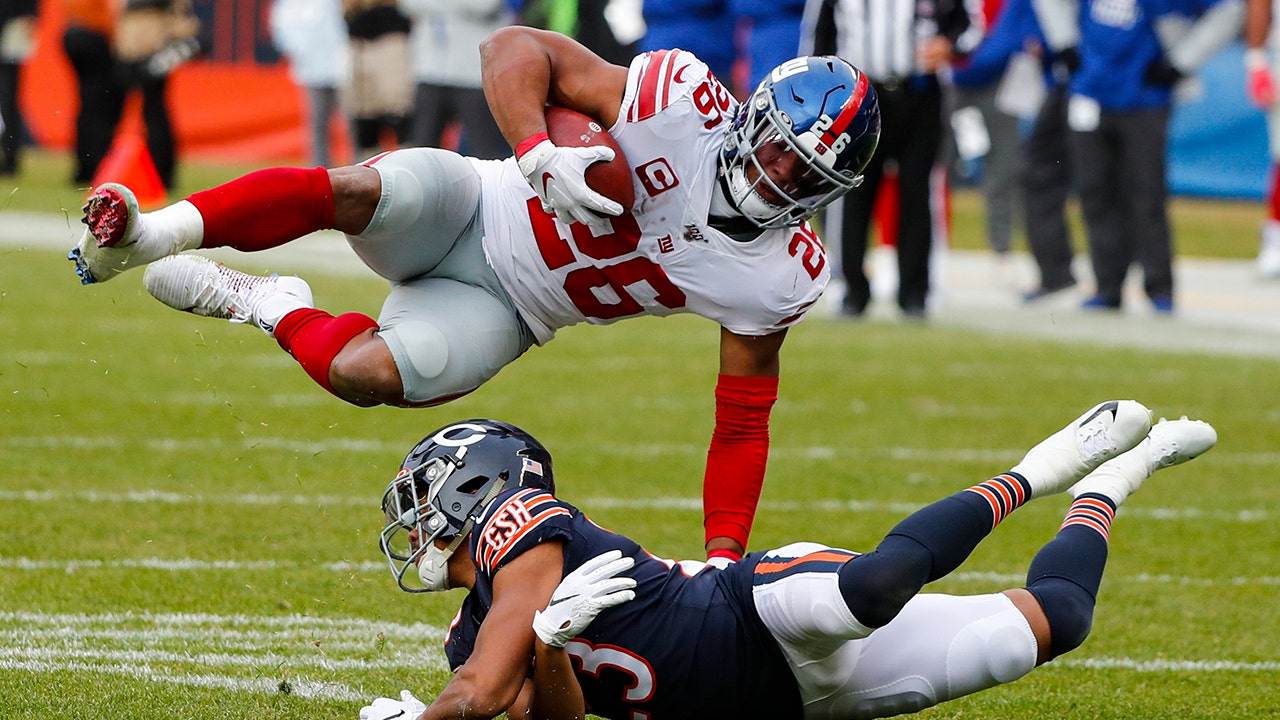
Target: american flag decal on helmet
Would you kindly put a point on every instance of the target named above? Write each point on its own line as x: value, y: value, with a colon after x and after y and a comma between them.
x: 530, y: 466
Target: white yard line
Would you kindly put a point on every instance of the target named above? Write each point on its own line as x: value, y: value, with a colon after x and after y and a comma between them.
x: 589, y: 503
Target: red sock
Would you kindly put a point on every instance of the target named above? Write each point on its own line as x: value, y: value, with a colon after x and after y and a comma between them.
x: 738, y: 455
x: 314, y: 338
x: 266, y: 209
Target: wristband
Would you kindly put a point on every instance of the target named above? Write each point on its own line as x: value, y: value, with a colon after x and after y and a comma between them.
x: 530, y: 143
x: 1255, y: 58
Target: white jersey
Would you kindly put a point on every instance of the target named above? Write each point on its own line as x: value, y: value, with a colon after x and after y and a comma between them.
x: 662, y: 257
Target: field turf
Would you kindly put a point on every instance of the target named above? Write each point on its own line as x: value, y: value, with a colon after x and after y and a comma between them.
x: 190, y: 525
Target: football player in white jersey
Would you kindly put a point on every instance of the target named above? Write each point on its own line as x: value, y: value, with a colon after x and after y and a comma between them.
x: 487, y: 258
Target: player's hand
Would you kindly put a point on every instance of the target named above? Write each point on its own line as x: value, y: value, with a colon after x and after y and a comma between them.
x: 582, y: 595
x: 1259, y: 82
x: 407, y: 707
x: 558, y: 175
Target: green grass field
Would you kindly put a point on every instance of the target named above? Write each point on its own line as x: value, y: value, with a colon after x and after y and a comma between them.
x: 190, y: 525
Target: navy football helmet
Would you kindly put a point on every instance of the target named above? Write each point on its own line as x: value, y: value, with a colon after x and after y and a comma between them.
x: 821, y: 109
x: 443, y: 487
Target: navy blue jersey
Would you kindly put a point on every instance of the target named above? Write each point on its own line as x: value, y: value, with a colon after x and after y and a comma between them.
x: 689, y: 646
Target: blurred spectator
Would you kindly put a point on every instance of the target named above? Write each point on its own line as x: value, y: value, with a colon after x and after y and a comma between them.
x: 87, y: 42
x: 152, y: 38
x: 446, y: 63
x: 313, y: 37
x: 774, y: 34
x: 919, y: 38
x: 1132, y: 54
x: 609, y: 28
x: 1047, y: 179
x: 378, y: 95
x: 704, y: 27
x: 1263, y: 40
x: 17, y: 24
x: 986, y: 129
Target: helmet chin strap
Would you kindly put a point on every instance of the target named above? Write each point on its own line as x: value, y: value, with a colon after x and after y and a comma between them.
x: 433, y: 567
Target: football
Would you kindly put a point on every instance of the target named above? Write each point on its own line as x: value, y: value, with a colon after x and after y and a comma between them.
x: 612, y: 179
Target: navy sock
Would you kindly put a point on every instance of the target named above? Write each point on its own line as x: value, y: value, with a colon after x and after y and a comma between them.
x: 925, y: 546
x: 1067, y: 572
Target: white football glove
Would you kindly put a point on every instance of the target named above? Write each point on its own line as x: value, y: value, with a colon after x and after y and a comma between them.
x: 407, y: 707
x: 558, y: 175
x: 582, y: 595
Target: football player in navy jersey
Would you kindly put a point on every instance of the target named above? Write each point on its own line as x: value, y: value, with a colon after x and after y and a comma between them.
x: 563, y: 617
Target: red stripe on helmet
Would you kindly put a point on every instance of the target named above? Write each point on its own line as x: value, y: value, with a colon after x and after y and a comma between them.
x: 848, y: 112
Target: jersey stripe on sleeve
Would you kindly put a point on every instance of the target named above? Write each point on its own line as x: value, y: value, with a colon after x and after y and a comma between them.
x: 519, y: 515
x: 655, y: 85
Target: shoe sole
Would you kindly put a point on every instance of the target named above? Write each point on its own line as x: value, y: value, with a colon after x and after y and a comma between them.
x: 106, y: 216
x: 107, y: 213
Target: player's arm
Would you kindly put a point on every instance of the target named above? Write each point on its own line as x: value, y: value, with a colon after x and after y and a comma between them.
x: 593, y: 587
x: 524, y: 69
x: 745, y: 393
x: 556, y: 693
x: 490, y: 680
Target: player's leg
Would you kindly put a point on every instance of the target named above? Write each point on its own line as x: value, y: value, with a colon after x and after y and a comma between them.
x: 1065, y: 575
x: 815, y: 600
x: 941, y: 647
x: 261, y: 210
x: 427, y: 222
x: 934, y: 540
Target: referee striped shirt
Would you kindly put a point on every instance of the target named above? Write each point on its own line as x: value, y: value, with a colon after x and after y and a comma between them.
x: 879, y: 36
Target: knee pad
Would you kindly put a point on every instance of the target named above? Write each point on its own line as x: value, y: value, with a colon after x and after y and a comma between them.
x: 1069, y: 609
x: 421, y: 353
x: 990, y: 652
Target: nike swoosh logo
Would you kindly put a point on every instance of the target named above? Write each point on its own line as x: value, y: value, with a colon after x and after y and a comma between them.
x: 393, y: 717
x: 557, y: 601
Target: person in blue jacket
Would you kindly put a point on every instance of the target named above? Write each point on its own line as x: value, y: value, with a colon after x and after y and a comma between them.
x: 1132, y: 53
x: 774, y: 35
x: 706, y: 28
x: 1043, y: 164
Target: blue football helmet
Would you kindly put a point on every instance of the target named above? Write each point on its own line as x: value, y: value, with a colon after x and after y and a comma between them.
x: 443, y: 487
x: 821, y: 109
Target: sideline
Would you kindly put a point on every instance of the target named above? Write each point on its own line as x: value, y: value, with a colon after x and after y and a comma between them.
x: 1223, y: 307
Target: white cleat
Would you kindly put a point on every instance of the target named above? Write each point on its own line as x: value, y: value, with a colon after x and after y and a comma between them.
x: 111, y: 242
x: 1170, y: 442
x: 198, y: 285
x: 1095, y: 437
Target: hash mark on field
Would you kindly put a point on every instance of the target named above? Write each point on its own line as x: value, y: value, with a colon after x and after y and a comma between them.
x: 299, y: 686
x: 239, y: 653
